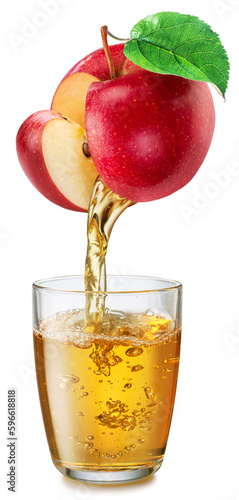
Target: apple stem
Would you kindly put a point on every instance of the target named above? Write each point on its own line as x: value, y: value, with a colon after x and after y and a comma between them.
x: 117, y: 38
x: 104, y: 33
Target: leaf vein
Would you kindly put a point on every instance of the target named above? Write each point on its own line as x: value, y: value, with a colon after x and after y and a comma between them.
x: 188, y: 41
x: 180, y: 57
x: 186, y: 70
x: 199, y: 52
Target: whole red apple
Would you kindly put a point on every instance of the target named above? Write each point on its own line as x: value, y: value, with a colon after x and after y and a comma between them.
x: 148, y: 133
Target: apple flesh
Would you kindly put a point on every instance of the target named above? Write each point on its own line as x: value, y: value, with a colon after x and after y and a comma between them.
x: 148, y: 133
x: 70, y: 96
x: 50, y: 149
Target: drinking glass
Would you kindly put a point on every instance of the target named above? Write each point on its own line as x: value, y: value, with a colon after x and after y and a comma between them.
x: 107, y: 387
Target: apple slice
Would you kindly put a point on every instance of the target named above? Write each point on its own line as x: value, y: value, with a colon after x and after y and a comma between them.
x: 54, y: 155
x: 70, y: 96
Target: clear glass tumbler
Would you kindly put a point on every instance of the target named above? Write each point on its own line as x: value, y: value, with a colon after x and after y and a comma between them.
x: 107, y: 387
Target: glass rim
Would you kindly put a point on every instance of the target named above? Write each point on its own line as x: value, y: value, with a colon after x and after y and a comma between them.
x: 173, y: 285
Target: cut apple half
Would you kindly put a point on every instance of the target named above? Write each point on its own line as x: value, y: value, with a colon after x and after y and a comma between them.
x: 72, y: 172
x: 70, y: 96
x: 55, y: 157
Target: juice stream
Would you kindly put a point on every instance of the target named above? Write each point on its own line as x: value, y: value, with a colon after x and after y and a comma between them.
x: 104, y: 209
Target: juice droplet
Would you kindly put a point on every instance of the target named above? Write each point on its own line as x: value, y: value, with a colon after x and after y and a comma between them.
x: 136, y: 368
x: 127, y: 386
x: 69, y: 379
x: 150, y: 395
x: 90, y: 438
x: 66, y: 380
x: 145, y: 424
x: 167, y: 370
x: 134, y: 351
x: 129, y: 423
x: 149, y: 313
x: 80, y: 414
x: 136, y: 413
x: 127, y: 449
x: 141, y: 441
x: 85, y: 394
x: 85, y: 444
x: 112, y: 404
x: 171, y: 361
x: 82, y: 387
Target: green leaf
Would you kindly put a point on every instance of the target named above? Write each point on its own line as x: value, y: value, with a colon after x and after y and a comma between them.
x: 179, y: 44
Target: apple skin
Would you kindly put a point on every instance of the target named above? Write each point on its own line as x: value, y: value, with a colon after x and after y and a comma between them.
x: 96, y: 63
x: 31, y: 158
x: 148, y: 133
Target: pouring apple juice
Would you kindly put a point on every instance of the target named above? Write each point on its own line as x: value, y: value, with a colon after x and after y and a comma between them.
x: 114, y: 371
x: 144, y: 125
x: 104, y: 209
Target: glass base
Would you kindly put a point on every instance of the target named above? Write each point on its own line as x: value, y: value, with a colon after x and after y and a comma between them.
x: 110, y: 476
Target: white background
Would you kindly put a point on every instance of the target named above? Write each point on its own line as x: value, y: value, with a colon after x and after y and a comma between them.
x: 39, y: 239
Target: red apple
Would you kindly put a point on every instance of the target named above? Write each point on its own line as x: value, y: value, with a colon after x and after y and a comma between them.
x: 50, y: 149
x: 148, y: 133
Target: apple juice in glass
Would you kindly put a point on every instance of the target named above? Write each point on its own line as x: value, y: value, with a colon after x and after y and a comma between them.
x: 107, y: 389
x: 128, y: 124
